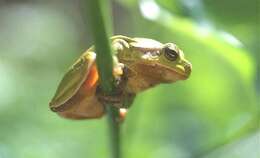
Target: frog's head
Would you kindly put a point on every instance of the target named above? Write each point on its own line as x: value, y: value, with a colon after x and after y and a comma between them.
x: 172, y: 64
x: 167, y: 63
x: 172, y: 61
x: 151, y: 62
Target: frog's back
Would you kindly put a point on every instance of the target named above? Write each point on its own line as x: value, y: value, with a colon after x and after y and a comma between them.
x: 146, y: 44
x: 141, y: 43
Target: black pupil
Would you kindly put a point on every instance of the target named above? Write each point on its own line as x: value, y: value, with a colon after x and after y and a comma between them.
x: 171, y: 54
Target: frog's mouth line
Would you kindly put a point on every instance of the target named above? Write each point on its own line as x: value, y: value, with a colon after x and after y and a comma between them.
x: 183, y: 72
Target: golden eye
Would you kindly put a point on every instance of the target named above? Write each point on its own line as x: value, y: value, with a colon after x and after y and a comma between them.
x: 170, y: 54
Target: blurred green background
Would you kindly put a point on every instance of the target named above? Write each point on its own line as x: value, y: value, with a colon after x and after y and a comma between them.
x: 214, y: 114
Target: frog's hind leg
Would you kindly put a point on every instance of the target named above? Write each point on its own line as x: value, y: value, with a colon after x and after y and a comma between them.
x: 84, y: 104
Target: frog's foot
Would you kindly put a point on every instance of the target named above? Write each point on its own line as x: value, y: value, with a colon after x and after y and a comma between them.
x: 117, y: 96
x: 122, y: 102
x: 118, y: 70
x: 110, y: 99
x: 119, y: 99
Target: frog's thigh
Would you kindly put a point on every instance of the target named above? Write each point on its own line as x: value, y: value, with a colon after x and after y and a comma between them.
x: 86, y: 109
x: 84, y: 104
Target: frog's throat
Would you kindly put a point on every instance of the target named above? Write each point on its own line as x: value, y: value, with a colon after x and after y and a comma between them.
x: 147, y: 76
x: 183, y: 71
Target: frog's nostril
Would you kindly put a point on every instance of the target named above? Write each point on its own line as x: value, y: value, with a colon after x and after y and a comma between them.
x: 188, y: 65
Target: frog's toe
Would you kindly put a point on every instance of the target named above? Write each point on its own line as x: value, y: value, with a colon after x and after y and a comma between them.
x: 118, y: 70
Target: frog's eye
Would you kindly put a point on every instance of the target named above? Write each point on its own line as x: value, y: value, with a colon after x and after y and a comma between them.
x: 170, y: 54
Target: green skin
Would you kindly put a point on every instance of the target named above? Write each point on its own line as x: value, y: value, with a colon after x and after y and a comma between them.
x: 144, y: 63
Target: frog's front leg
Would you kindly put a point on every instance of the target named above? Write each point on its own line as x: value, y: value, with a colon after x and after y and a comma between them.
x: 119, y: 97
x: 119, y: 45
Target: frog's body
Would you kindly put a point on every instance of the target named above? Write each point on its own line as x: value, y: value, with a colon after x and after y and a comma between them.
x: 148, y: 63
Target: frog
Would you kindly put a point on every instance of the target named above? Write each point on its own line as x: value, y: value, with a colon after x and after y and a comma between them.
x: 138, y: 64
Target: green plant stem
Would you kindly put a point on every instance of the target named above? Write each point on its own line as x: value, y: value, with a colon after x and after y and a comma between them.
x: 104, y: 63
x: 115, y: 131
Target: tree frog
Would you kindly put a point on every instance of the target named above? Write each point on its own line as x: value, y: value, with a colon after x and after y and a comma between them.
x: 139, y: 64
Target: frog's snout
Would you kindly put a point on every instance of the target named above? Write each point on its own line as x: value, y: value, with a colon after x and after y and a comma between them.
x: 187, y: 68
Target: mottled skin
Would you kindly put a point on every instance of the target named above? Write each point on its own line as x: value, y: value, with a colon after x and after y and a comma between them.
x: 139, y: 64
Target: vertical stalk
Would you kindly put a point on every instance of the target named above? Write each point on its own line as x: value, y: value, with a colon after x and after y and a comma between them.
x: 105, y: 64
x: 114, y: 126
